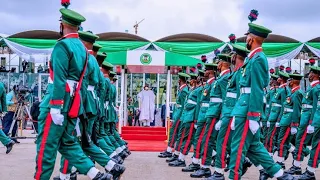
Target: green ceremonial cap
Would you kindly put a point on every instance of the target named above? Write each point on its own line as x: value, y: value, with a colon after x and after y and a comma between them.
x: 96, y: 47
x: 100, y: 58
x: 193, y: 75
x: 106, y: 65
x: 201, y: 73
x: 284, y: 75
x: 275, y: 77
x: 112, y: 74
x: 240, y: 50
x: 88, y: 36
x: 211, y: 66
x: 224, y: 57
x: 258, y: 30
x: 296, y: 76
x: 71, y: 17
x: 315, y: 69
x: 183, y: 75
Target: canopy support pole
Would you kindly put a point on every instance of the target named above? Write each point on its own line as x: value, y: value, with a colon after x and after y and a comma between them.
x: 168, y: 96
x: 122, y: 94
x: 158, y: 90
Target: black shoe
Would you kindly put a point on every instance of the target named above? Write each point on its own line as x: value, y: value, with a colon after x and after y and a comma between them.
x: 246, y: 165
x: 294, y: 170
x: 117, y: 171
x: 9, y: 146
x: 165, y: 155
x: 283, y: 166
x: 177, y: 163
x: 191, y: 168
x: 123, y: 155
x: 103, y: 176
x: 216, y: 176
x: 118, y: 159
x: 73, y: 176
x: 128, y: 151
x: 307, y: 176
x: 173, y: 158
x: 56, y: 178
x: 15, y: 140
x: 202, y: 172
x: 226, y: 169
x: 163, y: 152
x: 264, y: 175
x: 213, y: 161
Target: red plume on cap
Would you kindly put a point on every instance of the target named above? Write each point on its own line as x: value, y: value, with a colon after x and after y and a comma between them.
x: 118, y: 70
x: 253, y: 15
x: 193, y: 69
x: 65, y: 3
x: 199, y: 66
x: 312, y: 61
x: 204, y: 58
x: 232, y: 38
x: 288, y: 69
x: 271, y: 71
x: 281, y: 68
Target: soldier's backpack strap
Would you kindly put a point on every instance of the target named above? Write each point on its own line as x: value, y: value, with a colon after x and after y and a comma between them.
x: 75, y: 106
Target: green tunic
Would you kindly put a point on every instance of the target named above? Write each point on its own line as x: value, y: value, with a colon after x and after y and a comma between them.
x: 205, y: 99
x: 190, y: 106
x: 3, y: 103
x: 218, y: 94
x: 107, y: 99
x: 181, y: 98
x: 310, y: 99
x: 276, y: 103
x: 269, y: 96
x: 316, y: 117
x: 112, y: 98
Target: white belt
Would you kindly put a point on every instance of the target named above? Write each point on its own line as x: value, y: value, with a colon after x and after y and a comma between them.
x: 191, y: 102
x: 264, y: 100
x: 205, y: 105
x: 276, y: 105
x: 71, y: 84
x: 219, y: 100
x: 288, y: 110
x: 178, y: 106
x: 267, y: 106
x: 245, y: 90
x: 231, y: 95
x: 91, y: 89
x: 307, y: 106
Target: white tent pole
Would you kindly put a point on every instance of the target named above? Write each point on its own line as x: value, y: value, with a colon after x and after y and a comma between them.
x: 125, y: 102
x: 39, y: 87
x: 131, y: 84
x: 168, y: 95
x: 122, y: 100
x: 158, y: 90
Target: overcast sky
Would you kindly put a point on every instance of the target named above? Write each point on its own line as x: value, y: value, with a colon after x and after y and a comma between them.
x: 294, y: 18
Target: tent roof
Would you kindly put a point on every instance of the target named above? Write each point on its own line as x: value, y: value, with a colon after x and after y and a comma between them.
x: 273, y: 38
x: 189, y: 37
x: 315, y: 40
x: 120, y: 36
x: 37, y: 34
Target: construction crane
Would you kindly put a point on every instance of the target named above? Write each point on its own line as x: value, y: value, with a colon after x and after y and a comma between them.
x: 137, y: 25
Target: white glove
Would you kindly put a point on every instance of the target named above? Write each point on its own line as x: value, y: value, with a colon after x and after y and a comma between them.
x: 253, y: 126
x: 310, y: 129
x: 218, y: 125
x: 56, y: 116
x: 195, y: 126
x: 261, y: 125
x: 268, y: 123
x: 277, y: 124
x: 233, y: 126
x: 294, y: 130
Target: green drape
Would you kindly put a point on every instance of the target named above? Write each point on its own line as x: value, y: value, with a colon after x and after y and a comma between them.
x: 34, y: 43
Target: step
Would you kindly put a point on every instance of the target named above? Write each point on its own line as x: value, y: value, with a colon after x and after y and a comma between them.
x: 142, y: 132
x: 144, y: 137
x: 143, y: 128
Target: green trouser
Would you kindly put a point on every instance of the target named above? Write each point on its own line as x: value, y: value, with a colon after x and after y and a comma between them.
x: 284, y: 139
x: 3, y: 138
x: 243, y: 144
x: 201, y: 127
x: 272, y: 137
x: 179, y: 140
x: 315, y: 149
x: 173, y: 133
x: 302, y: 140
x: 116, y: 134
x: 223, y: 142
x: 52, y: 138
x: 209, y: 141
x: 107, y: 148
x: 187, y: 137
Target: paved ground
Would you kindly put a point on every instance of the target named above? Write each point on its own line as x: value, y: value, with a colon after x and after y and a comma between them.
x: 19, y: 165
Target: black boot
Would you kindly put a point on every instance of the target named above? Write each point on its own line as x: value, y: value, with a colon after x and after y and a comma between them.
x: 73, y: 176
x: 177, y: 163
x: 127, y: 151
x: 117, y: 171
x: 246, y: 165
x: 173, y: 158
x: 165, y: 154
x: 264, y: 175
x: 191, y: 168
x: 9, y: 146
x: 283, y: 166
x: 202, y: 172
x: 103, y: 176
x: 216, y: 176
x: 294, y: 170
x: 307, y: 176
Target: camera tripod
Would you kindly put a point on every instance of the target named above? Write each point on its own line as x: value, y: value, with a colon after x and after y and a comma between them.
x: 19, y: 115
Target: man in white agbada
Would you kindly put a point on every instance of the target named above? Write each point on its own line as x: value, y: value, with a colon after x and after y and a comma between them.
x: 146, y: 100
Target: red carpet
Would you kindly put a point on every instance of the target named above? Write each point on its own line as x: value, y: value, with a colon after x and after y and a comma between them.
x: 150, y: 146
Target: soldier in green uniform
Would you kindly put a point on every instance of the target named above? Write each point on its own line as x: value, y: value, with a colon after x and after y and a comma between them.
x: 187, y: 120
x: 174, y: 130
x: 5, y: 140
x: 56, y: 120
x: 314, y: 129
x: 248, y: 109
x: 276, y: 112
x: 289, y: 119
x: 232, y: 92
x: 270, y: 94
x: 209, y: 77
x: 195, y: 165
x: 309, y: 107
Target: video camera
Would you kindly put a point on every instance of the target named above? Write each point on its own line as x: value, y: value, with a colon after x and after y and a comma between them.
x: 22, y: 92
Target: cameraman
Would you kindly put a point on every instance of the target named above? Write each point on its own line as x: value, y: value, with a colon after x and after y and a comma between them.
x: 12, y: 103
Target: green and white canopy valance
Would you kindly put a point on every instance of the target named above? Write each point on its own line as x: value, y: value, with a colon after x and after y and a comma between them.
x: 314, y: 48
